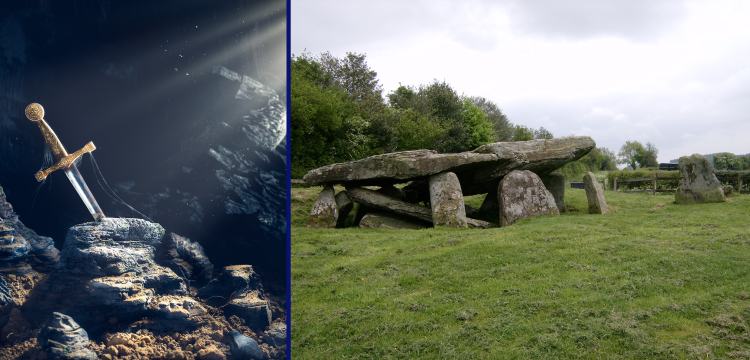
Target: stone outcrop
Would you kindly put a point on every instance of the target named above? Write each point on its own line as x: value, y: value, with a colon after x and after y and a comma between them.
x: 447, y: 201
x: 276, y: 334
x: 5, y: 296
x: 324, y: 213
x: 594, y: 194
x: 186, y: 258
x: 62, y: 338
x: 477, y: 170
x: 344, y: 206
x: 243, y: 347
x: 384, y: 220
x: 20, y: 247
x: 376, y: 200
x: 698, y: 184
x: 239, y: 291
x: 555, y: 184
x: 522, y: 195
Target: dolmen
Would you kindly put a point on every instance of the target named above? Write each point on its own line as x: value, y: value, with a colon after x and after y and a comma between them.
x: 442, y: 181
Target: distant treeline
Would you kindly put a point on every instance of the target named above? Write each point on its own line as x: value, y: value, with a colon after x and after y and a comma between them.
x: 339, y: 113
x: 726, y: 161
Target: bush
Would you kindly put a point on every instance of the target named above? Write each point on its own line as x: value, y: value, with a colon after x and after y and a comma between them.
x: 733, y: 174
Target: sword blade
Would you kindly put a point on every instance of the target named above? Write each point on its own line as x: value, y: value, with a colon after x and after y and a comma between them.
x: 83, y: 191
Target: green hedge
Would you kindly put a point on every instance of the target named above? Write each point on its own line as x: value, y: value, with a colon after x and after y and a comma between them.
x: 642, y: 173
x: 733, y: 173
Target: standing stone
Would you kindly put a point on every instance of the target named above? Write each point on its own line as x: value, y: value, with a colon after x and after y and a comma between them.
x: 594, y: 194
x: 698, y: 184
x: 555, y: 184
x: 522, y: 195
x: 324, y: 212
x: 447, y: 201
x: 62, y: 338
x: 344, y: 205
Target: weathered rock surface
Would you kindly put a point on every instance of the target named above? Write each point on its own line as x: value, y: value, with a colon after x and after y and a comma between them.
x: 384, y: 220
x: 276, y: 334
x: 186, y: 258
x: 243, y: 347
x: 479, y: 224
x: 239, y: 290
x: 555, y: 184
x: 522, y: 195
x: 344, y: 205
x: 5, y: 296
x: 447, y: 201
x: 108, y: 266
x: 324, y: 213
x: 374, y: 199
x: 698, y: 184
x: 62, y: 338
x: 594, y: 194
x: 478, y: 170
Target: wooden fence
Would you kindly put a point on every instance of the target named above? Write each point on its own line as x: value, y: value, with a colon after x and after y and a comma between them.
x: 654, y: 180
x: 579, y: 184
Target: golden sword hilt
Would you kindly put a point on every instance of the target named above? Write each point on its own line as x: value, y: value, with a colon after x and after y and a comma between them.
x: 35, y: 113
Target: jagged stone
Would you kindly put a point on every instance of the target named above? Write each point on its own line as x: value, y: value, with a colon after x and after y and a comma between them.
x: 555, y: 184
x: 5, y: 296
x: 276, y: 335
x: 62, y: 338
x: 594, y: 194
x: 6, y: 210
x: 374, y: 199
x: 243, y: 347
x: 324, y: 213
x: 239, y: 290
x: 478, y: 170
x: 381, y: 220
x: 344, y: 206
x: 21, y: 249
x: 186, y: 258
x: 447, y: 201
x: 522, y: 195
x: 698, y: 184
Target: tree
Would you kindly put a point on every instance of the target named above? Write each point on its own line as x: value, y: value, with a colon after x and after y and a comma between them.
x: 480, y: 130
x: 416, y: 131
x: 631, y: 154
x: 522, y: 133
x: 500, y: 124
x: 352, y: 74
x: 542, y: 133
x: 648, y: 156
x: 726, y: 161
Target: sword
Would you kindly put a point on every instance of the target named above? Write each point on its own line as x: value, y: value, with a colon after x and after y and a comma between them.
x: 35, y: 113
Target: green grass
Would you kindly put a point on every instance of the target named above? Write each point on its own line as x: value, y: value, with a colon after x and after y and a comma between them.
x: 671, y: 283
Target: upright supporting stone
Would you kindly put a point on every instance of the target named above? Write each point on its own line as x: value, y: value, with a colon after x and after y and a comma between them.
x: 344, y: 205
x: 522, y: 195
x: 698, y: 184
x: 324, y: 213
x: 594, y: 194
x: 447, y: 201
x: 555, y: 184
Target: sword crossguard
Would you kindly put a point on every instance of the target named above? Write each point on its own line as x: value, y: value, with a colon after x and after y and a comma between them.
x: 65, y: 162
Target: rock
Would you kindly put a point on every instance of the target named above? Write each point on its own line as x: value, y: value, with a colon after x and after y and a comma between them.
x: 6, y: 210
x: 392, y: 191
x: 555, y: 184
x: 727, y: 189
x: 16, y: 328
x: 239, y: 290
x: 276, y: 335
x: 5, y: 296
x: 522, y: 195
x: 468, y: 210
x: 108, y: 266
x: 478, y: 170
x: 186, y: 258
x: 379, y: 201
x: 360, y: 210
x: 243, y: 347
x: 381, y: 220
x: 698, y: 184
x: 416, y: 191
x: 479, y: 224
x: 344, y: 205
x: 594, y: 194
x: 324, y: 213
x: 62, y: 338
x: 21, y: 249
x: 447, y: 201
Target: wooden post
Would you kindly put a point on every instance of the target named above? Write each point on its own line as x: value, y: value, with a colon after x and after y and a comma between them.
x: 739, y: 183
x: 614, y: 187
x: 654, y: 193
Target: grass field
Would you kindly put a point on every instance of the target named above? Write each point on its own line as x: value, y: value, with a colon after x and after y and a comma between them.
x: 666, y: 283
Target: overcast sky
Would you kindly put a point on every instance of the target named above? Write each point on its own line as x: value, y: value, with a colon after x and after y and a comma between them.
x: 674, y: 73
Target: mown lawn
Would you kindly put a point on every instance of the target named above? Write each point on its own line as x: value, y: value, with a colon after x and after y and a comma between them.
x: 637, y: 283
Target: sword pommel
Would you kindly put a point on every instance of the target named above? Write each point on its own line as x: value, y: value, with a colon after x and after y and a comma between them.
x: 35, y: 112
